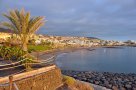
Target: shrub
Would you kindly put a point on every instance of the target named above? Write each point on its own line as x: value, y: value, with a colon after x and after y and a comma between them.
x: 11, y: 53
x: 26, y: 63
x: 68, y: 80
x: 83, y: 86
x: 27, y: 60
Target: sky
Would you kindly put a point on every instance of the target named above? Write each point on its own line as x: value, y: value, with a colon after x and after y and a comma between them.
x: 105, y: 19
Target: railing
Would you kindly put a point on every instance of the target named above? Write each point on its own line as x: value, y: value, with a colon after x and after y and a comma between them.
x: 11, y: 64
x: 11, y: 84
x: 19, y: 64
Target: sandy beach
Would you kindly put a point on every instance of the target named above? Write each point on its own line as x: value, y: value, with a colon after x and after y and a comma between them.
x: 47, y: 54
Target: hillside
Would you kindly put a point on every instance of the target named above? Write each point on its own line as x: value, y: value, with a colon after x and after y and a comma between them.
x: 5, y: 30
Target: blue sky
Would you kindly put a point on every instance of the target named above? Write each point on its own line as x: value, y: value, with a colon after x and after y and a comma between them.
x: 106, y: 19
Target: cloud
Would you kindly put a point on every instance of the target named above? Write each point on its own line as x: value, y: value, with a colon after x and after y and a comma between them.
x: 100, y: 18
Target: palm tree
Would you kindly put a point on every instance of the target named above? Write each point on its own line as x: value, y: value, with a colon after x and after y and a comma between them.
x: 23, y: 25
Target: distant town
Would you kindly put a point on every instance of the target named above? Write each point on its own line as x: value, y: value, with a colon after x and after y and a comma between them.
x: 70, y: 41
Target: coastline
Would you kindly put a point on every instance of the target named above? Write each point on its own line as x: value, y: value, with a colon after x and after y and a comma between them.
x: 115, y: 81
x: 40, y: 56
x: 109, y: 80
x: 56, y: 52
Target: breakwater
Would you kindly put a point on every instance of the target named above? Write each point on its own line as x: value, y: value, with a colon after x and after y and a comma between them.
x: 115, y: 81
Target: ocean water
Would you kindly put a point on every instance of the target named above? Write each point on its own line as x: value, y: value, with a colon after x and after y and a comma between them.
x: 117, y: 60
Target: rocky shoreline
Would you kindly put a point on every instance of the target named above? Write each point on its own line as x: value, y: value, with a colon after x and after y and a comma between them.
x: 115, y: 81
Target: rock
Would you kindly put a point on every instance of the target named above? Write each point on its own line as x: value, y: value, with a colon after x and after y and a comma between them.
x: 134, y: 88
x: 106, y: 82
x: 103, y: 77
x: 90, y: 80
x: 74, y: 75
x: 116, y: 81
x: 96, y: 82
x: 84, y: 79
x: 122, y: 88
x: 120, y: 85
x: 130, y: 83
x: 109, y: 86
x: 128, y: 86
x: 115, y: 88
x: 134, y: 85
x: 135, y: 82
x: 126, y: 80
x: 119, y: 79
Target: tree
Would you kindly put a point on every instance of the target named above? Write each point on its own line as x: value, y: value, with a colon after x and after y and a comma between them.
x: 23, y: 25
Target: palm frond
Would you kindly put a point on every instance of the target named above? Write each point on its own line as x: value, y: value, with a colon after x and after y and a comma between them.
x: 9, y: 26
x: 34, y: 23
x: 13, y: 21
x: 23, y: 24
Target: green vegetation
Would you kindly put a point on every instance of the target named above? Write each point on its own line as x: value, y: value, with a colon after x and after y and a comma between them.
x: 27, y: 60
x: 21, y: 43
x: 8, y: 52
x: 16, y: 54
x: 73, y: 84
x: 69, y: 81
x: 39, y: 47
x: 11, y: 53
x: 23, y: 25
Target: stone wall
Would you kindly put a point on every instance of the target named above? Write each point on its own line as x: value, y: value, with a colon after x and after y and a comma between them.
x: 48, y: 80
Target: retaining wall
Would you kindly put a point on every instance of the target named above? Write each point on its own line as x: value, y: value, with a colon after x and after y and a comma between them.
x: 47, y: 78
